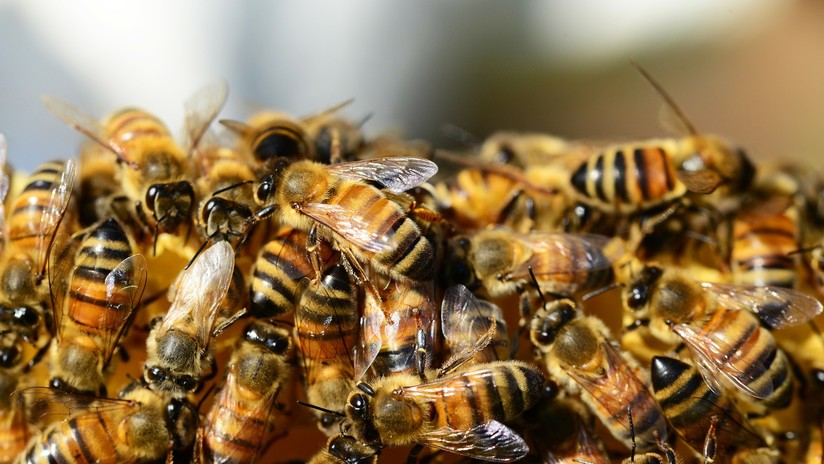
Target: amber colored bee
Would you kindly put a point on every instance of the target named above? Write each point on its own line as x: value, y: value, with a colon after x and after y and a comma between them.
x: 280, y: 266
x: 397, y: 332
x: 179, y: 347
x: 722, y: 327
x: 460, y: 412
x: 36, y: 215
x: 155, y: 169
x: 343, y: 449
x: 641, y: 176
x: 326, y: 329
x: 691, y: 407
x: 355, y: 217
x: 580, y: 353
x: 142, y: 427
x: 95, y: 293
x: 241, y: 421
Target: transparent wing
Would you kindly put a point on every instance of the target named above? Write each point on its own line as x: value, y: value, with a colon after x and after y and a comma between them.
x: 124, y: 288
x: 61, y: 263
x: 468, y: 325
x: 618, y: 384
x: 350, y: 225
x: 200, y: 110
x: 327, y: 112
x: 714, y: 355
x: 4, y: 187
x: 53, y: 214
x: 569, y: 253
x: 86, y: 125
x: 200, y: 289
x: 44, y: 403
x: 777, y: 307
x: 370, y: 338
x: 490, y: 441
x: 395, y: 174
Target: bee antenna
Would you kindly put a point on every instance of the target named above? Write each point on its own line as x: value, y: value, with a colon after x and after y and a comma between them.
x: 364, y: 387
x: 667, y: 98
x: 601, y: 290
x: 631, y: 434
x: 804, y: 250
x: 328, y: 411
x: 537, y: 286
x: 205, y: 395
x: 461, y: 135
x: 197, y: 253
x: 231, y: 187
x: 364, y: 120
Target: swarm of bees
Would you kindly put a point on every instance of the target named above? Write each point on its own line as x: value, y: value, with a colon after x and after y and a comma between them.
x: 548, y: 300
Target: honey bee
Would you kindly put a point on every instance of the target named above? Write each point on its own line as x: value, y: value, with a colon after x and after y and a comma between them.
x: 29, y: 234
x: 179, y: 348
x: 335, y: 138
x: 650, y: 175
x: 721, y: 325
x: 242, y: 420
x: 460, y: 412
x: 580, y: 353
x: 343, y: 449
x: 154, y: 168
x: 326, y: 327
x: 142, y: 427
x: 466, y: 319
x: 270, y: 135
x: 280, y: 266
x: 559, y: 429
x: 691, y: 408
x: 94, y: 295
x: 397, y: 331
x: 355, y: 217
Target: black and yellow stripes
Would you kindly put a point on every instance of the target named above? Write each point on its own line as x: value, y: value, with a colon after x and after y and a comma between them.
x: 27, y: 212
x: 761, y: 243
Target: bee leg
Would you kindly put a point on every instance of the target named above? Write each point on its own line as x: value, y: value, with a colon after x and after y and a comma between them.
x: 507, y: 214
x: 123, y: 353
x: 421, y: 354
x: 413, y: 454
x: 313, y: 250
x: 710, y: 444
x: 38, y: 356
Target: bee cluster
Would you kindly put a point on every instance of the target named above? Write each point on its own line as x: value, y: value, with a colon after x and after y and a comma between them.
x: 165, y: 300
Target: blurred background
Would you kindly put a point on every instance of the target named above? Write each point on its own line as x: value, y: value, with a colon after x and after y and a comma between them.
x: 751, y: 70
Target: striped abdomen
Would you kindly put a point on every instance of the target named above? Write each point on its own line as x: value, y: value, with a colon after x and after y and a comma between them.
x: 758, y: 362
x: 26, y: 216
x: 411, y: 255
x: 495, y: 391
x: 130, y: 126
x: 761, y: 246
x: 82, y: 439
x: 627, y: 179
x: 326, y: 325
x: 689, y: 406
x: 279, y: 268
x: 478, y: 198
x: 572, y: 254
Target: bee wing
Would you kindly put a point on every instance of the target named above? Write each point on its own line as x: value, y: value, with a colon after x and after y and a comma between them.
x: 395, y: 174
x: 46, y: 404
x: 619, y: 381
x: 124, y: 287
x: 370, y: 339
x: 86, y: 125
x: 200, y: 290
x: 777, y: 307
x: 348, y: 224
x: 200, y: 110
x: 53, y: 214
x: 490, y: 441
x: 4, y: 186
x: 712, y: 353
x: 320, y: 115
x: 61, y: 262
x: 703, y: 181
x: 577, y: 254
x: 468, y: 324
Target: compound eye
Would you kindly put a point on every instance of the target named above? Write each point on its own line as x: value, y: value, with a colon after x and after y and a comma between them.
x: 638, y: 296
x: 151, y: 194
x: 264, y: 190
x: 357, y: 402
x: 9, y: 356
x: 26, y: 316
x: 327, y: 420
x: 186, y: 382
x: 155, y: 374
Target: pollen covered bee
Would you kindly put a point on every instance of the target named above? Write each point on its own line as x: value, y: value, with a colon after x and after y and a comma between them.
x: 154, y: 169
x: 96, y: 284
x: 579, y: 353
x: 725, y: 327
x: 141, y: 427
x: 242, y: 420
x: 461, y: 412
x: 358, y: 219
x: 179, y: 347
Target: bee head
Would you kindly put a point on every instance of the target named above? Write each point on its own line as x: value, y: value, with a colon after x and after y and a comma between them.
x: 169, y: 204
x: 638, y: 294
x: 549, y: 320
x: 491, y: 253
x: 181, y: 420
